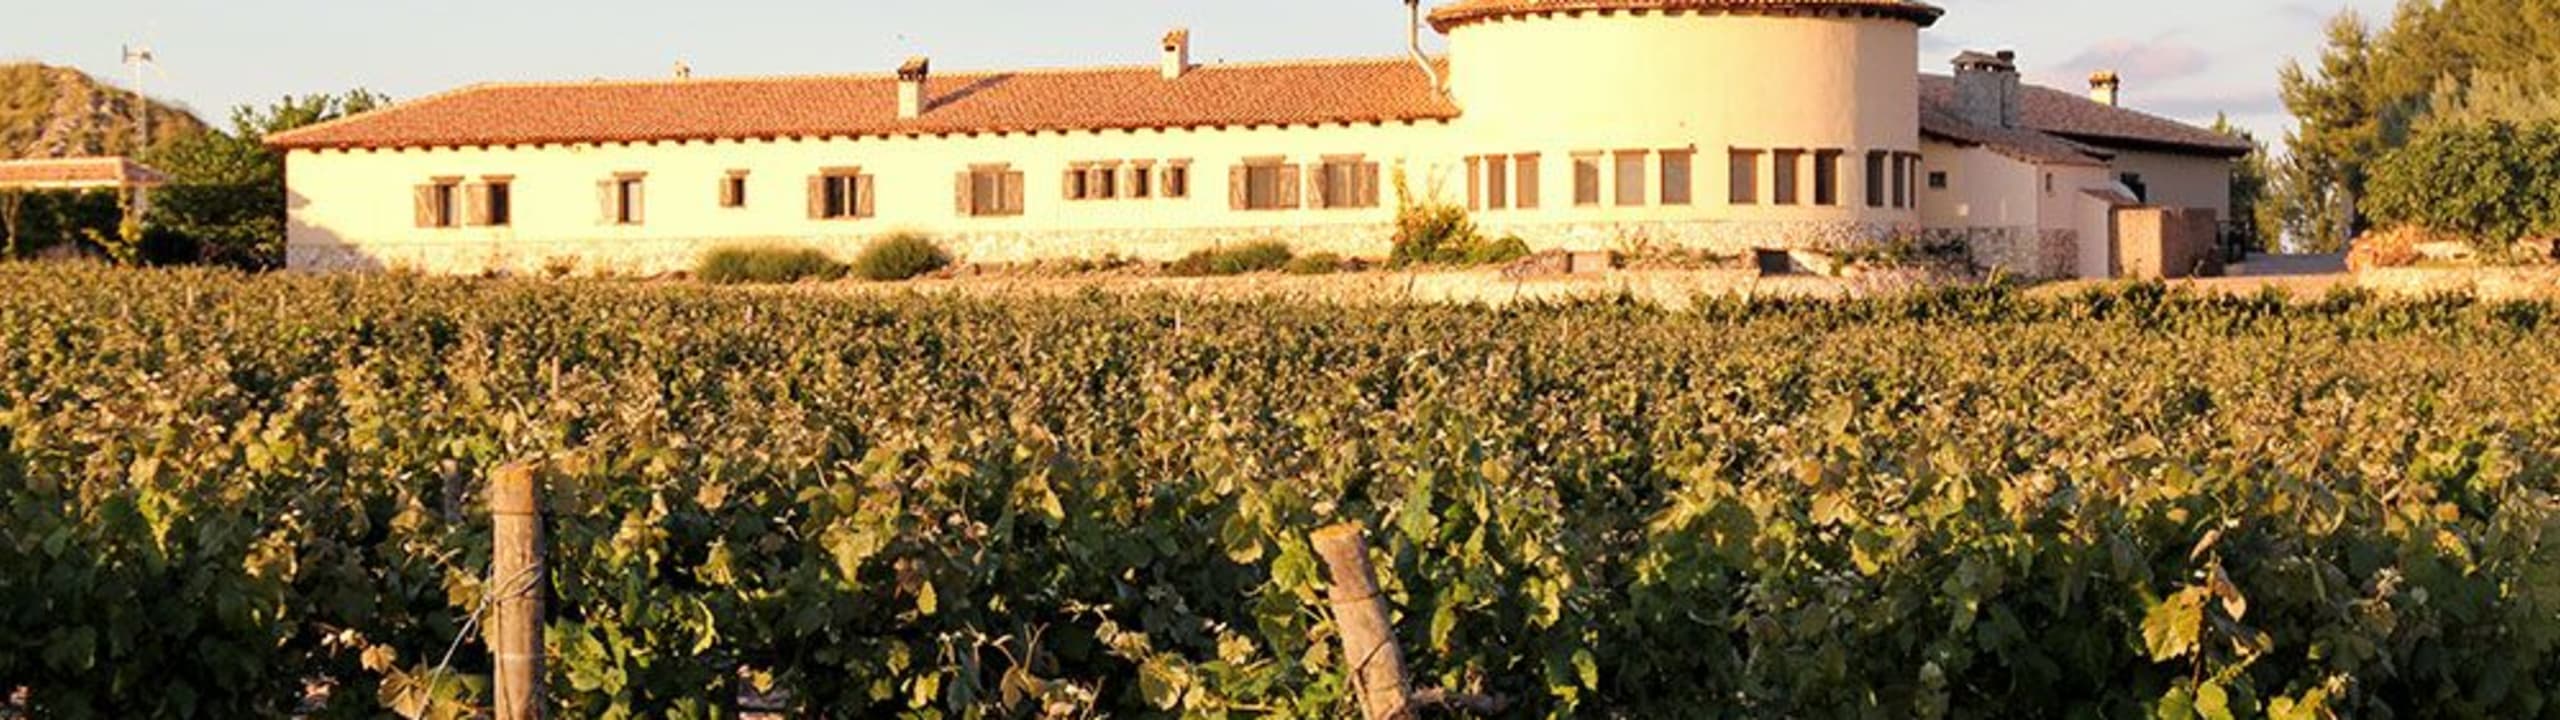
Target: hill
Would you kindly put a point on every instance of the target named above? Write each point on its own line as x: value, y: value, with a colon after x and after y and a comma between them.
x: 48, y: 111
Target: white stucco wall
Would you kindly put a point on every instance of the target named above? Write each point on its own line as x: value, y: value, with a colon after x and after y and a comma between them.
x: 2187, y: 181
x: 1984, y: 189
x: 1591, y: 82
x: 355, y: 208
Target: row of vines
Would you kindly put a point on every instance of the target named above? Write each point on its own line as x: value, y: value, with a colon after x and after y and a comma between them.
x: 259, y: 496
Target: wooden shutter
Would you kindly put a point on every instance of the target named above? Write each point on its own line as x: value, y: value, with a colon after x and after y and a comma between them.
x: 1289, y: 186
x: 1368, y: 182
x: 638, y: 207
x: 817, y: 197
x: 1236, y: 187
x: 605, y: 206
x: 1067, y: 183
x: 423, y: 197
x: 476, y: 204
x: 1475, y: 183
x: 962, y: 197
x: 862, y: 196
x: 1013, y: 193
x: 1525, y: 173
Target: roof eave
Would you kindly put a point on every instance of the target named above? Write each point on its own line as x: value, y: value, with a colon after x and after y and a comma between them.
x: 2114, y: 142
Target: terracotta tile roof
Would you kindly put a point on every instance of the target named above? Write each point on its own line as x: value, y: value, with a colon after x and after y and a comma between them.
x: 1468, y: 11
x: 1288, y: 93
x: 2090, y: 122
x: 86, y: 172
x: 2029, y: 145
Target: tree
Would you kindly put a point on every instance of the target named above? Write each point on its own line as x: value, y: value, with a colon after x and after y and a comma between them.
x: 2255, y: 222
x: 226, y: 197
x: 2340, y: 127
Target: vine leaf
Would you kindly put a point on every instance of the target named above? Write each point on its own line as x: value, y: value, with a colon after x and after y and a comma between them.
x: 2171, y: 627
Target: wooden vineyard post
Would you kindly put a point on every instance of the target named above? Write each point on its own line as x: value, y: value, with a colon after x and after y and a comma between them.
x: 1369, y: 650
x: 516, y: 576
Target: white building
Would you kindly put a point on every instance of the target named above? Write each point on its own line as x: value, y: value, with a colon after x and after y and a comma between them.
x: 1726, y: 125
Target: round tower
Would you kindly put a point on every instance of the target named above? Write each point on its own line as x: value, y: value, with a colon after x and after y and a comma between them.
x: 1792, y: 123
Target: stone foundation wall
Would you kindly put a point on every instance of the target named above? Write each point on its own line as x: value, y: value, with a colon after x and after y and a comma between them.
x: 2024, y: 251
x: 649, y: 257
x: 1720, y: 237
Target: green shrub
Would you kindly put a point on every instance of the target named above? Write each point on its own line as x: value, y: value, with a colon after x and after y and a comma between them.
x: 767, y: 264
x: 900, y: 256
x: 2491, y: 183
x: 1323, y: 263
x: 1429, y: 233
x: 1507, y: 249
x: 1252, y: 257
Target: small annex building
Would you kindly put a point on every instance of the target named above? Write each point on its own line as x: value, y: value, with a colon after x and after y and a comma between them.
x: 1720, y: 125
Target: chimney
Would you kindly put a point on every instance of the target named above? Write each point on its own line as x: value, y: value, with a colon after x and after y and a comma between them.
x: 1987, y: 92
x: 1177, y: 53
x: 2106, y: 87
x: 683, y: 71
x: 911, y: 86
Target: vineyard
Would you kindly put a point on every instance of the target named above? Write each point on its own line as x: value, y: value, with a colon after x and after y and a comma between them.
x: 233, y: 496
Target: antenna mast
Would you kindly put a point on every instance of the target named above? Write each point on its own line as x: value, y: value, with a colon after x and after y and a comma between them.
x: 138, y: 58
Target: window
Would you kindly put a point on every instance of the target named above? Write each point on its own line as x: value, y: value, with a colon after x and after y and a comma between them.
x: 1497, y: 182
x: 1938, y: 180
x: 1102, y: 181
x: 1177, y: 179
x: 435, y: 203
x: 1826, y: 177
x: 1524, y: 173
x: 1746, y: 177
x: 1631, y: 177
x: 2132, y: 181
x: 1875, y: 178
x: 621, y: 200
x: 990, y: 191
x: 840, y: 194
x: 733, y: 189
x: 493, y: 202
x: 1911, y: 178
x: 1347, y: 182
x: 1678, y: 185
x: 1075, y: 183
x: 1901, y: 180
x: 1586, y: 179
x: 1263, y: 184
x: 1783, y: 184
x: 1141, y: 182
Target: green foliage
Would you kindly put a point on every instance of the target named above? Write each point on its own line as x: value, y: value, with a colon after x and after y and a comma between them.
x: 900, y: 256
x: 2494, y: 184
x: 1430, y: 233
x: 2256, y: 221
x: 2437, y: 63
x: 767, y: 264
x: 32, y: 222
x: 1252, y: 257
x: 226, y: 198
x: 1957, y: 504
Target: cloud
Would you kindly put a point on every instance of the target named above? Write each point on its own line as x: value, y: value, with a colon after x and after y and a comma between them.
x: 2150, y: 62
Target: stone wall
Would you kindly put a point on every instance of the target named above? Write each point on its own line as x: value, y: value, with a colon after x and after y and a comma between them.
x: 1720, y: 237
x: 2024, y: 251
x: 2155, y: 243
x: 629, y: 257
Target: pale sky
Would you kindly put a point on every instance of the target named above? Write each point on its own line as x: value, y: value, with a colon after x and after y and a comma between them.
x: 2182, y: 58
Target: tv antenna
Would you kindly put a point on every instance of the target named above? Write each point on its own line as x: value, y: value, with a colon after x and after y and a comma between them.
x: 137, y: 58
